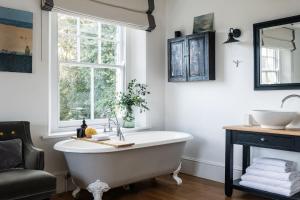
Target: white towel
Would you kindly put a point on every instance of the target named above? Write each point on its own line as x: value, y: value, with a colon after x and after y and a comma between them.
x: 289, y: 176
x: 100, y: 137
x: 292, y: 185
x: 273, y: 168
x: 268, y: 188
x: 274, y: 161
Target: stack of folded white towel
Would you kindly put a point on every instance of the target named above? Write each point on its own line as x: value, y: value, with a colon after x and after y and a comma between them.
x: 272, y: 175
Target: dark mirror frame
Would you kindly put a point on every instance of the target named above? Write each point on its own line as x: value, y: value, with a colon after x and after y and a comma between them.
x: 256, y: 42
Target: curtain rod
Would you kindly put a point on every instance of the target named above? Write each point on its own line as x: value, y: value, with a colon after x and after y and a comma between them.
x: 120, y: 7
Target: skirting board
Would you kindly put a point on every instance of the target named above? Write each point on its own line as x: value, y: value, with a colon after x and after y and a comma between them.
x: 205, y: 169
x: 61, y: 181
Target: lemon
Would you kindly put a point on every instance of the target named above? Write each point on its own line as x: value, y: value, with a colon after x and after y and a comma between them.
x: 89, y: 132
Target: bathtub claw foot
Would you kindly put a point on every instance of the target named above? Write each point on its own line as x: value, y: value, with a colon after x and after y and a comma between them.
x: 97, y: 189
x: 75, y: 193
x: 175, y: 175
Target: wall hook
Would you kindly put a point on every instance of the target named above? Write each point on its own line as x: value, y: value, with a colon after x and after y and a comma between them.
x: 237, y: 63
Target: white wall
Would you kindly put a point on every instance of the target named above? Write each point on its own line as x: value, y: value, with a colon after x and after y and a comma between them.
x: 156, y: 67
x: 203, y: 108
x: 136, y: 65
x: 25, y: 96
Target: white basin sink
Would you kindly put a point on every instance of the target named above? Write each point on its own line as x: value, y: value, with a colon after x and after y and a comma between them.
x: 273, y: 119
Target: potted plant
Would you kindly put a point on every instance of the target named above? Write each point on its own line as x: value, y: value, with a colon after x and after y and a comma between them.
x: 134, y: 97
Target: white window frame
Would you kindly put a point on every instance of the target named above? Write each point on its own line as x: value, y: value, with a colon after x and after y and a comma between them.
x: 56, y: 125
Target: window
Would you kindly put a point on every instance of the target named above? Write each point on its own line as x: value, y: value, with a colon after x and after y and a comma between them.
x: 270, y: 66
x: 89, y: 68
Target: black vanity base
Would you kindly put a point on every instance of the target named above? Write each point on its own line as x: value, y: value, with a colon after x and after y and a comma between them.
x: 287, y: 140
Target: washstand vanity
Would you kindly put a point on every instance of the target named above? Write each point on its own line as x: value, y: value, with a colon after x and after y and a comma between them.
x: 276, y: 67
x: 288, y: 140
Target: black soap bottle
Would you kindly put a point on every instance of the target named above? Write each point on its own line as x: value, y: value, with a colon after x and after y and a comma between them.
x: 84, y: 125
x: 81, y: 131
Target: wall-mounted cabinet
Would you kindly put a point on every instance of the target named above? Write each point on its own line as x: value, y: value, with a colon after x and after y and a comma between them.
x: 192, y: 58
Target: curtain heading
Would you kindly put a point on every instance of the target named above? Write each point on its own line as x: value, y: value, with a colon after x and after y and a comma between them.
x: 282, y: 38
x: 132, y: 13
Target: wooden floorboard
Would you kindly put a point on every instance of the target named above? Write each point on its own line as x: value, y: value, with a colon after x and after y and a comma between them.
x: 164, y: 188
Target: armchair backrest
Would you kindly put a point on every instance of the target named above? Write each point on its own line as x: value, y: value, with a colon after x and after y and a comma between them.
x: 14, y: 130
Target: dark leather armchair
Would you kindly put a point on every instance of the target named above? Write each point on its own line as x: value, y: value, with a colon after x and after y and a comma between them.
x: 28, y: 181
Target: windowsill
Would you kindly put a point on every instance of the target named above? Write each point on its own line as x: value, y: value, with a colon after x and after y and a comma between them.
x: 68, y: 134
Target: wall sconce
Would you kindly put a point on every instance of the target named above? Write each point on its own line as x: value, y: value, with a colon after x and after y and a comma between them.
x: 233, y: 33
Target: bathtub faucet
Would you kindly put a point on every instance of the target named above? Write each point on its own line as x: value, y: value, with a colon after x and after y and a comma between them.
x: 110, y: 128
x: 120, y: 133
x: 118, y: 126
x: 288, y: 97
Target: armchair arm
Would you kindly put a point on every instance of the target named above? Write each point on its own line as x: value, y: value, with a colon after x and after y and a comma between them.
x: 33, y: 157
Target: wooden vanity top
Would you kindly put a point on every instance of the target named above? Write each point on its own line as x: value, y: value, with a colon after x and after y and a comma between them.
x: 257, y: 129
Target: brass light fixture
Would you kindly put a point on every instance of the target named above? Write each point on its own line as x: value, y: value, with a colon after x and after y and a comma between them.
x: 232, y: 35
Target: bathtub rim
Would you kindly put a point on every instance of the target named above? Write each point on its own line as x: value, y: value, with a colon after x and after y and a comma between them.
x: 59, y: 146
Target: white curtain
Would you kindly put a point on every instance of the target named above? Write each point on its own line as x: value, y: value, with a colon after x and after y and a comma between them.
x: 282, y: 38
x: 127, y: 12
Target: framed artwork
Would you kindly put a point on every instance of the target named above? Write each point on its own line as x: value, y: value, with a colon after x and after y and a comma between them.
x: 203, y: 23
x: 15, y: 40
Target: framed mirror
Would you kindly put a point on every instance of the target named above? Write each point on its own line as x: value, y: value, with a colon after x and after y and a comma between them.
x: 277, y: 54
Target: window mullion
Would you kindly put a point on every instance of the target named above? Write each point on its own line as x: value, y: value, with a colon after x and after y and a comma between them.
x: 92, y: 94
x: 78, y: 39
x: 99, y: 42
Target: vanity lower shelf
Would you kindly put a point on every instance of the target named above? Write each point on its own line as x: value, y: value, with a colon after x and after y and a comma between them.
x: 236, y: 185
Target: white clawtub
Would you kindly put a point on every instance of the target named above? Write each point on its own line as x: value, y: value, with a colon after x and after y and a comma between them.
x: 99, y: 167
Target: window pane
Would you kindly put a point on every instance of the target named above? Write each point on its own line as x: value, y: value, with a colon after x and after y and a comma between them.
x: 105, y: 89
x: 66, y: 24
x: 263, y: 51
x: 88, y: 28
x: 67, y: 50
x: 264, y: 63
x: 271, y: 64
x: 269, y: 78
x: 109, y: 32
x: 270, y: 52
x: 88, y: 50
x: 74, y: 88
x: 108, y: 52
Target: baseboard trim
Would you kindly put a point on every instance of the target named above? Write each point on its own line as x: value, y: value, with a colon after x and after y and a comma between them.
x: 207, y: 169
x: 61, y: 181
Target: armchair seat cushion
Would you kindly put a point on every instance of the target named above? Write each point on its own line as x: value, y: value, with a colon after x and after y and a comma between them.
x: 25, y: 183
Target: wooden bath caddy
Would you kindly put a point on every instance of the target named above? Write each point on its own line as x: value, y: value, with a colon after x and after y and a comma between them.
x: 113, y: 143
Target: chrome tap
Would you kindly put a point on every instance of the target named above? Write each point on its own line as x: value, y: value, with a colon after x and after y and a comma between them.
x: 288, y: 97
x: 110, y: 128
x: 118, y: 127
x: 120, y: 133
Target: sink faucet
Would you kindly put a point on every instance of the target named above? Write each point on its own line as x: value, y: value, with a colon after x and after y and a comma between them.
x: 288, y: 97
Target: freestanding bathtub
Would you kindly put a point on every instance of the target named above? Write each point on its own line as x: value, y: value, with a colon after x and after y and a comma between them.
x: 100, y: 167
